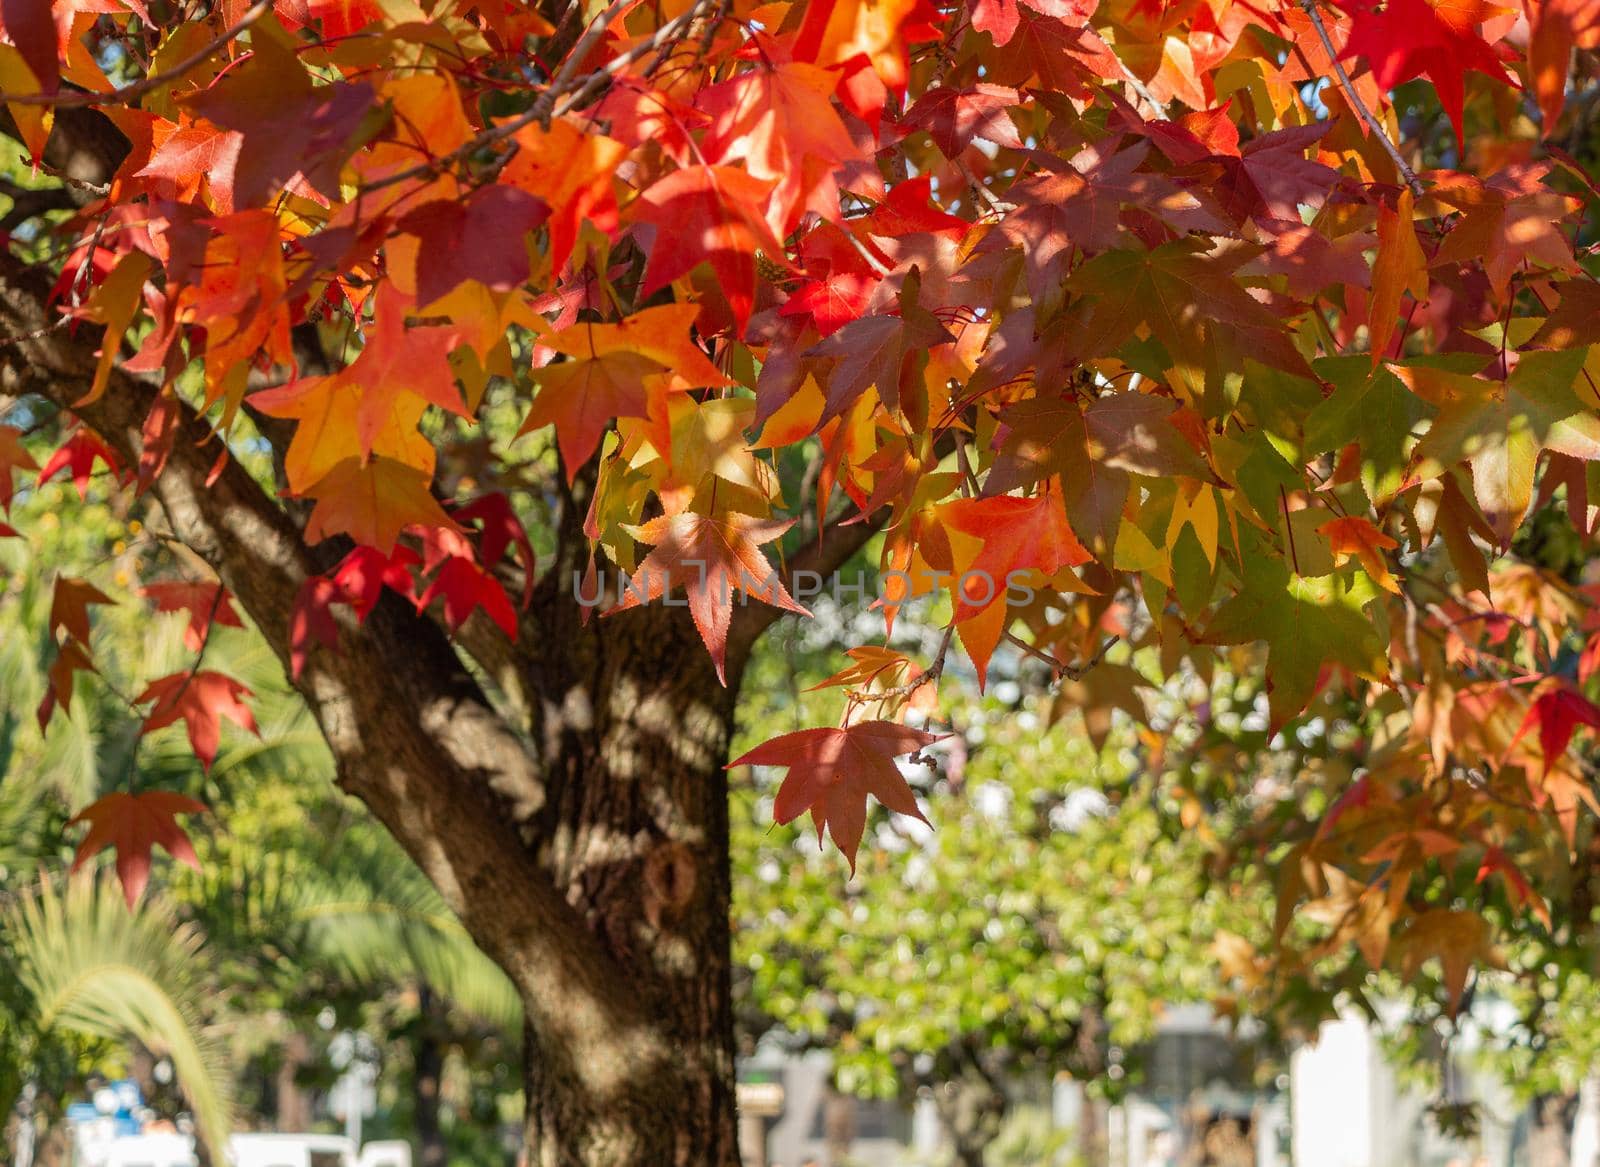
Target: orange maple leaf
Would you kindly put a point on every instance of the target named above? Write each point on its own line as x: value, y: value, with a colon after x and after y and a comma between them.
x: 373, y: 502
x: 710, y: 558
x: 1354, y: 535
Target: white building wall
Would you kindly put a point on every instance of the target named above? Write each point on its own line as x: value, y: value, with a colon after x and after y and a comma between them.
x: 1333, y: 1097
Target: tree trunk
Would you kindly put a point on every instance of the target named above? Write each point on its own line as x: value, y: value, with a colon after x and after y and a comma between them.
x: 1550, y: 1129
x: 972, y: 1107
x: 427, y: 1078
x: 293, y: 1105
x: 634, y: 730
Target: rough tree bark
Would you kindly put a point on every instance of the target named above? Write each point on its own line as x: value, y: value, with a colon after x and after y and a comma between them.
x: 576, y: 822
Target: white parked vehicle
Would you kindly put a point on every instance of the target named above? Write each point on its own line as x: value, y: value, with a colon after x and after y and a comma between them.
x: 172, y: 1150
x: 314, y: 1151
x: 256, y: 1151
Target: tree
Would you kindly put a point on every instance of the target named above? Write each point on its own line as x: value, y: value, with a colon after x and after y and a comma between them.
x: 1117, y: 321
x: 1044, y: 927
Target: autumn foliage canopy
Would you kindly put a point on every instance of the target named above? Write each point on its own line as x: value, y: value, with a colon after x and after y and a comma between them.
x: 1249, y: 340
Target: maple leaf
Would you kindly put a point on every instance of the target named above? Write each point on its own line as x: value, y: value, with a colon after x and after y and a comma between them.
x: 1307, y: 623
x: 1399, y: 268
x: 1459, y: 939
x: 710, y: 558
x: 482, y: 238
x: 571, y: 171
x: 201, y: 698
x: 363, y: 574
x: 875, y: 669
x: 1056, y: 52
x: 1499, y: 428
x: 780, y: 123
x: 1508, y: 224
x: 1558, y: 711
x: 1372, y: 410
x: 285, y: 127
x: 617, y: 370
x: 311, y: 618
x: 502, y: 531
x: 1439, y: 39
x: 1556, y: 28
x: 13, y: 457
x: 373, y: 405
x: 466, y: 587
x: 880, y: 30
x: 372, y: 502
x: 725, y: 207
x: 77, y: 455
x: 342, y: 18
x: 1574, y: 322
x: 1354, y: 535
x: 1007, y: 536
x: 831, y: 772
x: 582, y: 398
x: 186, y: 156
x: 113, y: 305
x: 69, y: 607
x: 206, y: 604
x: 71, y: 658
x: 879, y: 351
x: 954, y: 117
x: 133, y: 824
x: 30, y: 25
x: 1186, y: 299
x: 1078, y: 203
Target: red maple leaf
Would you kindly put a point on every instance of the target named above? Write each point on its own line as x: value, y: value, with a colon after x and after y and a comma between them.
x: 465, y: 587
x: 312, y: 618
x: 13, y: 457
x: 482, y: 238
x: 1559, y: 711
x: 502, y: 531
x: 133, y: 824
x: 69, y: 607
x: 201, y: 699
x: 363, y: 574
x: 831, y: 772
x: 206, y: 603
x: 77, y: 456
x: 1403, y: 39
x: 726, y: 210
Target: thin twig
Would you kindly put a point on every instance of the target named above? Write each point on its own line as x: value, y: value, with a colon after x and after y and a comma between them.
x: 138, y: 89
x: 1354, y: 98
x: 43, y: 167
x: 590, y: 84
x: 569, y: 67
x: 996, y: 205
x: 930, y: 677
x: 1143, y: 91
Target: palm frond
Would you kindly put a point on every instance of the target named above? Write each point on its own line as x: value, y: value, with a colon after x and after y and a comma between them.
x: 93, y: 966
x: 378, y: 918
